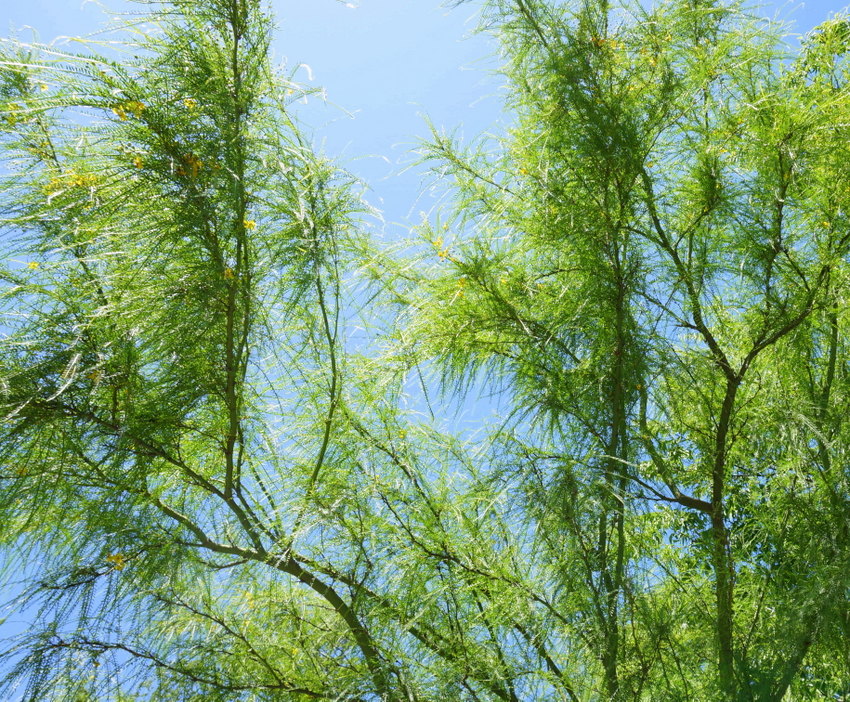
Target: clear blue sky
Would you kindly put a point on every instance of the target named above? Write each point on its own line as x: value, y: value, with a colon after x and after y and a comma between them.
x: 386, y: 62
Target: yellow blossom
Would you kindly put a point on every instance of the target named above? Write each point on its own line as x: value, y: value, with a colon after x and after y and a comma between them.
x: 194, y: 163
x: 84, y: 180
x: 54, y: 185
x: 117, y: 560
x: 32, y: 265
x: 229, y: 274
x: 826, y: 224
x: 190, y: 104
x: 134, y: 107
x: 138, y: 162
x: 438, y: 242
x: 249, y: 224
x: 12, y: 117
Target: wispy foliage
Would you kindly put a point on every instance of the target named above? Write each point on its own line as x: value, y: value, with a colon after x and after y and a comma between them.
x: 209, y: 485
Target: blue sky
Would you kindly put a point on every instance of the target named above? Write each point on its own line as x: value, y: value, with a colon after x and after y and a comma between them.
x: 384, y: 64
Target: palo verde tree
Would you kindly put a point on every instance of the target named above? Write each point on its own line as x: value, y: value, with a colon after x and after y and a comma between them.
x: 652, y: 265
x: 209, y: 487
x: 191, y: 481
x: 208, y: 490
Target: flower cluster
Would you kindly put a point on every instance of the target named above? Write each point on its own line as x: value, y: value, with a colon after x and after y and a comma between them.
x: 117, y: 560
x: 132, y: 107
x: 192, y: 166
x: 70, y: 180
x: 442, y: 251
x: 602, y: 42
x: 13, y: 115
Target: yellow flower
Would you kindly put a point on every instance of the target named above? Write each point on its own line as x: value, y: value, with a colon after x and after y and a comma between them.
x: 195, y: 164
x: 134, y: 107
x: 826, y: 224
x: 11, y: 118
x: 54, y: 185
x: 79, y: 180
x: 191, y: 104
x: 438, y: 242
x: 229, y: 274
x: 32, y: 265
x: 249, y: 224
x: 43, y: 87
x: 138, y: 162
x: 117, y: 560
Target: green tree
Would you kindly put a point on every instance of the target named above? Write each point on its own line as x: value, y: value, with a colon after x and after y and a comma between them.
x: 210, y: 488
x: 653, y: 264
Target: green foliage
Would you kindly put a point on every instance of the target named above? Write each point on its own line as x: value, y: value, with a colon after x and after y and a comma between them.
x: 211, y: 487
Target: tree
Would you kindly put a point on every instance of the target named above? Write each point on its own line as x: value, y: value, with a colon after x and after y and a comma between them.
x: 212, y: 489
x: 657, y: 275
